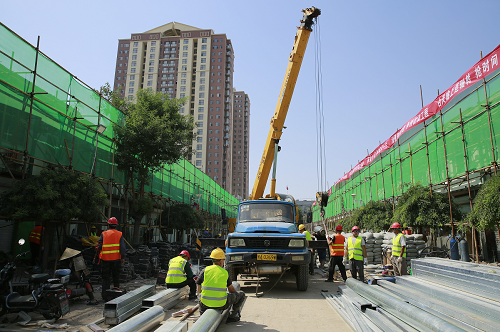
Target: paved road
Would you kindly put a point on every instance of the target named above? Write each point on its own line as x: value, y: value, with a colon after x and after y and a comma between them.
x: 285, y: 308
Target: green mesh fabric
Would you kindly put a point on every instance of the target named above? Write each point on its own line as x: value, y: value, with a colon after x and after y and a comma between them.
x: 445, y: 148
x: 62, y: 130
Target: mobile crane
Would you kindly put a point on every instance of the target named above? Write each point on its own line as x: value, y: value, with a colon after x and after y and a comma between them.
x: 266, y: 240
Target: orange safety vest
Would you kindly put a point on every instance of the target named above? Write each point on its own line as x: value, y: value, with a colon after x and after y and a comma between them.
x: 337, y: 247
x: 111, y: 245
x: 36, y: 234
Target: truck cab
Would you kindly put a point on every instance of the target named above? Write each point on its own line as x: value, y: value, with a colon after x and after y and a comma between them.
x: 266, y: 241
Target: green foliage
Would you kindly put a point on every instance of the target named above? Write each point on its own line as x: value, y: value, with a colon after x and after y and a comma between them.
x: 416, y: 208
x: 54, y: 195
x: 143, y: 206
x: 154, y: 134
x: 182, y: 216
x: 485, y: 213
x: 375, y: 215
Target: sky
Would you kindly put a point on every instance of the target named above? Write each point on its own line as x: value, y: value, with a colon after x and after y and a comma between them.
x: 374, y: 55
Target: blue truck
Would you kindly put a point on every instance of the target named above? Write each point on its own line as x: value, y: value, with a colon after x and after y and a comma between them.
x: 266, y: 241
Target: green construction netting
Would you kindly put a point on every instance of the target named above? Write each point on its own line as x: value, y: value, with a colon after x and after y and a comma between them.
x: 464, y: 138
x: 64, y: 116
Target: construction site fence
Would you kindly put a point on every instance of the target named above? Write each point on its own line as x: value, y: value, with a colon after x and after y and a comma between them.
x: 49, y: 117
x: 456, y: 150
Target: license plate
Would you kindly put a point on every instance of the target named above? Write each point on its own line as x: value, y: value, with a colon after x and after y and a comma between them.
x: 266, y: 257
x: 63, y: 302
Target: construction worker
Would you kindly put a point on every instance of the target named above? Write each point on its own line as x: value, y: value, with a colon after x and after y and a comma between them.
x: 93, y: 231
x: 398, y: 251
x: 355, y: 249
x: 180, y: 274
x: 302, y: 230
x: 212, y: 283
x: 321, y: 236
x: 336, y: 254
x: 111, y: 245
x: 35, y: 240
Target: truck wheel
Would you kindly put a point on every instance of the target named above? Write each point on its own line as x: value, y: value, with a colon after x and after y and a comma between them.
x: 231, y: 272
x: 302, y: 277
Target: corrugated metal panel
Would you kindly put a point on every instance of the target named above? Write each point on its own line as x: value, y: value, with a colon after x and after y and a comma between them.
x: 6, y: 235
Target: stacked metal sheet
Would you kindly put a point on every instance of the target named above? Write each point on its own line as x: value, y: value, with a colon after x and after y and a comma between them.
x: 442, y: 295
x: 121, y: 308
x: 483, y: 280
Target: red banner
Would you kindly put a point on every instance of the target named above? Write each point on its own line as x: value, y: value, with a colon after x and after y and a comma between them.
x: 476, y: 73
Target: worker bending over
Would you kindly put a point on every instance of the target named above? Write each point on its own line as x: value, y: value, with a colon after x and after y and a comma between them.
x: 302, y: 230
x: 336, y: 254
x: 398, y: 251
x: 212, y: 283
x: 112, y: 255
x: 355, y: 249
x: 179, y: 274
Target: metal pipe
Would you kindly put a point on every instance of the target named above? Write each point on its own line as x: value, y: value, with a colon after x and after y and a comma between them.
x: 144, y: 321
x: 164, y: 297
x: 411, y: 313
x: 173, y: 326
x: 447, y: 175
x: 440, y: 310
x: 119, y: 309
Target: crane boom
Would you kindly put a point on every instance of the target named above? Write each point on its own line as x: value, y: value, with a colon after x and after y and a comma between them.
x: 285, y: 96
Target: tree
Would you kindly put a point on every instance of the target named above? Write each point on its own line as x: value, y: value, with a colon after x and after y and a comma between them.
x: 54, y: 195
x: 182, y: 217
x: 485, y: 213
x: 376, y: 215
x: 418, y: 208
x: 154, y: 133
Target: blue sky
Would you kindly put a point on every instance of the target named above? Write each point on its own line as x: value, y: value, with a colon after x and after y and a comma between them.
x: 375, y: 55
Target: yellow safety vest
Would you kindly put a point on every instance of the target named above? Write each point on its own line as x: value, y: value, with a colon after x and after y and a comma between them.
x: 396, y: 246
x: 176, y: 274
x: 356, y: 251
x: 308, y: 236
x: 213, y: 288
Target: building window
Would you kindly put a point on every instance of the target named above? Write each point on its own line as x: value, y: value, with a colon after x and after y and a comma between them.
x: 201, y: 102
x: 152, y: 63
x: 198, y: 163
x: 203, y: 60
x: 203, y: 40
x: 135, y: 44
x: 203, y: 47
x: 131, y: 83
x: 202, y: 81
x: 131, y: 90
x: 153, y: 43
x: 184, y: 68
x: 200, y: 117
x: 200, y: 124
x: 200, y: 109
x: 152, y: 56
x: 202, y: 67
x: 134, y: 57
x: 150, y: 76
x: 134, y: 50
x: 200, y: 131
x: 153, y: 49
x: 199, y: 154
x: 184, y: 54
x: 183, y: 88
x: 204, y: 53
x: 199, y: 147
x: 132, y: 77
x: 132, y: 70
x: 150, y: 83
x: 201, y: 95
x: 182, y: 95
x: 186, y: 41
x: 184, y: 61
x: 151, y: 69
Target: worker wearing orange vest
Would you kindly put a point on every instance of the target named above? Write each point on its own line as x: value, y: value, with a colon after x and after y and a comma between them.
x: 35, y: 240
x: 112, y: 255
x: 336, y: 254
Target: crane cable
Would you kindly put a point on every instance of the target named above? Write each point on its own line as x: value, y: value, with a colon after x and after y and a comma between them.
x: 320, y: 118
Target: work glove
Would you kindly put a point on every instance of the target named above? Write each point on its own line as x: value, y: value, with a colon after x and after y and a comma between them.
x: 400, y: 259
x: 365, y: 260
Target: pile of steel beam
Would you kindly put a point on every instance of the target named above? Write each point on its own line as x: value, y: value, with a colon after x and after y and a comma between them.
x: 483, y: 280
x: 166, y: 298
x: 121, y: 308
x: 436, y: 298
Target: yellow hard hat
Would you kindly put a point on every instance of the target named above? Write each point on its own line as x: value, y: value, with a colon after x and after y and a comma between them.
x: 301, y: 227
x: 217, y: 253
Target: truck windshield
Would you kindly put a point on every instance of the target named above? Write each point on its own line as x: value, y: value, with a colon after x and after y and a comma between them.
x: 266, y: 212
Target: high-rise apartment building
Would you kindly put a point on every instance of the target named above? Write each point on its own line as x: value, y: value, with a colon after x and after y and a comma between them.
x: 183, y: 61
x: 241, y: 139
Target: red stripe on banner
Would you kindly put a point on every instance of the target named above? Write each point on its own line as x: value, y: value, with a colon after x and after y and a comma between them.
x: 476, y: 73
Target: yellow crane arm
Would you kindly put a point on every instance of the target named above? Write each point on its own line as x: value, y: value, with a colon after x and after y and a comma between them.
x: 285, y: 96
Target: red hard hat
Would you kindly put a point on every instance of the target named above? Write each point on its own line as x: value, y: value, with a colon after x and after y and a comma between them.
x: 338, y: 228
x: 396, y: 225
x: 355, y: 227
x: 113, y: 221
x: 185, y: 253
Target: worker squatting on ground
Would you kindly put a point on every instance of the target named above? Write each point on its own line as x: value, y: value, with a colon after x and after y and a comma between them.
x: 35, y: 240
x: 302, y: 230
x: 212, y: 283
x: 336, y: 254
x: 112, y: 249
x: 398, y: 258
x: 179, y: 274
x: 355, y: 249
